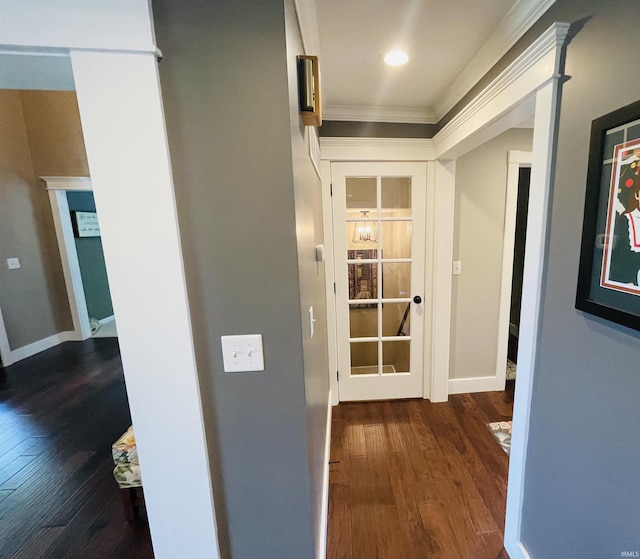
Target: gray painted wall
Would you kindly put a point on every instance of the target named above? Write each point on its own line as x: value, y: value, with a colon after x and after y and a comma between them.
x: 91, y: 260
x: 582, y: 482
x: 33, y: 298
x: 336, y: 128
x: 249, y: 210
x: 308, y: 200
x: 481, y: 187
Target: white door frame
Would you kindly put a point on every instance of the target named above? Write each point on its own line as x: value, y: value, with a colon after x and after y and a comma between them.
x: 111, y: 48
x: 57, y: 188
x: 5, y: 350
x: 516, y: 160
x: 334, y: 150
x: 529, y: 86
x: 387, y: 386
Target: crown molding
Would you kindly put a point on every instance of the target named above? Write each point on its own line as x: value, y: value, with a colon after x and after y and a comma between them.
x: 377, y: 149
x: 513, y: 26
x: 67, y: 183
x: 353, y: 113
x: 534, y: 67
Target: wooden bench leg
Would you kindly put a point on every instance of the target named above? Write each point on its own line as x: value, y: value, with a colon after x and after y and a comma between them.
x: 130, y: 504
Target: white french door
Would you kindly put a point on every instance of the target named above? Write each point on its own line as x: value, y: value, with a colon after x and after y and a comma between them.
x: 379, y: 244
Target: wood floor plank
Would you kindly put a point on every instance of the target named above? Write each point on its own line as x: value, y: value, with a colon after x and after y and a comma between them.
x: 420, y: 480
x: 60, y: 411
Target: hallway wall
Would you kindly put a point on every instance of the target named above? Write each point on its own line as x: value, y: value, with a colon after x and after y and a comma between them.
x: 582, y: 485
x: 40, y: 134
x: 481, y: 187
x: 248, y: 202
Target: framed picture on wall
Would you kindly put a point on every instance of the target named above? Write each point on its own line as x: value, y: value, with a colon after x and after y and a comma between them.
x: 85, y: 224
x: 363, y: 277
x: 609, y: 273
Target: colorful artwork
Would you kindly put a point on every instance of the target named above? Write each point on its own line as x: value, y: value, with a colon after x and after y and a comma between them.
x: 621, y: 261
x: 609, y: 273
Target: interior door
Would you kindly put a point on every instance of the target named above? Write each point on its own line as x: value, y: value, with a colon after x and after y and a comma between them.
x: 379, y: 243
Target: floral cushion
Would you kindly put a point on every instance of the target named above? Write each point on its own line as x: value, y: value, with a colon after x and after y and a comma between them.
x: 125, y: 457
x: 127, y: 475
x: 124, y: 450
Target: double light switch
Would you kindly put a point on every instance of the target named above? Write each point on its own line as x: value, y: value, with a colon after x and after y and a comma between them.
x: 242, y: 353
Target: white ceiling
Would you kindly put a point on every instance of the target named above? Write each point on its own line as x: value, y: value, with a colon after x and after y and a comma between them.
x: 451, y: 44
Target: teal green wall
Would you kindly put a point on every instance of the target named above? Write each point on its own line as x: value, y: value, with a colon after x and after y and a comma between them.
x: 91, y: 259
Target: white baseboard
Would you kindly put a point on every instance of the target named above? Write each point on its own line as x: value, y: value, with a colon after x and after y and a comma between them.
x: 37, y: 347
x: 107, y: 319
x: 321, y: 548
x: 467, y: 385
x: 522, y: 552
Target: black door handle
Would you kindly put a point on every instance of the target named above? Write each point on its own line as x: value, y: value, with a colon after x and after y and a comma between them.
x: 417, y: 299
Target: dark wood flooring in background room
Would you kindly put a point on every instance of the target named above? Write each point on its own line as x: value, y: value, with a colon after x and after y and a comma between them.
x: 414, y: 480
x: 59, y: 413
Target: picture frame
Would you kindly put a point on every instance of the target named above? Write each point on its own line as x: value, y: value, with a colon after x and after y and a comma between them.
x: 609, y: 270
x: 363, y: 277
x: 85, y: 224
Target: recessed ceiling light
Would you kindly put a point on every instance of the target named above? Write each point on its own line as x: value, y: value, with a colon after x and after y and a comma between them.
x: 396, y: 58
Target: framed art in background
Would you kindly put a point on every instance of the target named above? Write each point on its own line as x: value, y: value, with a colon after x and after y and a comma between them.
x: 609, y: 273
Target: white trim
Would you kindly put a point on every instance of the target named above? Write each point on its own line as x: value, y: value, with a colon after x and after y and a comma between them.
x: 468, y: 385
x: 321, y: 544
x: 359, y: 113
x: 68, y: 183
x: 125, y: 137
x: 514, y: 25
x: 377, y: 149
x: 429, y: 278
x: 445, y: 182
x: 515, y: 160
x: 534, y: 264
x: 37, y: 347
x: 314, y: 148
x: 116, y: 25
x: 329, y: 274
x: 530, y: 71
x: 521, y: 552
x: 69, y: 256
x: 107, y: 319
x: 5, y: 349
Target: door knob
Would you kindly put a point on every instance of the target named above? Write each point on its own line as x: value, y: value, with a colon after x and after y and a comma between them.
x: 417, y: 299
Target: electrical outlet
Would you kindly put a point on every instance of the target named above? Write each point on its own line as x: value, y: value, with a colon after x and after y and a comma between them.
x: 457, y: 267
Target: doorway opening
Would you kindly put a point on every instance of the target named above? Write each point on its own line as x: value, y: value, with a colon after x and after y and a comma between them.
x: 64, y: 401
x: 522, y: 207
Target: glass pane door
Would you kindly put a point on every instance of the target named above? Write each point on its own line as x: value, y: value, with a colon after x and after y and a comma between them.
x: 378, y: 265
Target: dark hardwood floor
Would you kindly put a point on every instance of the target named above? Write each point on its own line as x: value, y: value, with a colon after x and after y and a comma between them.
x: 59, y: 413
x: 415, y: 480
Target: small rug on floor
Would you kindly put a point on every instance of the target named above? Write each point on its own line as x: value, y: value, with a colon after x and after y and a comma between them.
x: 501, y: 430
x: 511, y: 370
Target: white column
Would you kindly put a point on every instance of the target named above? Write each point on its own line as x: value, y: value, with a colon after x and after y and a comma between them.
x: 539, y: 197
x: 124, y: 130
x: 445, y: 182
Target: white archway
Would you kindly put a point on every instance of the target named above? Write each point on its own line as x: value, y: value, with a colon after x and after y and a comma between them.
x: 111, y: 48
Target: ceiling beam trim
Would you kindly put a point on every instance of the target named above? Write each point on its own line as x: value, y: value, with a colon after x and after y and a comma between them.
x: 513, y: 26
x: 377, y: 149
x: 352, y: 113
x: 535, y: 67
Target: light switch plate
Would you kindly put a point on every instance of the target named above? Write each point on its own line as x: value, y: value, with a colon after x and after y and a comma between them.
x: 457, y: 267
x: 312, y: 322
x: 13, y: 263
x: 242, y: 353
